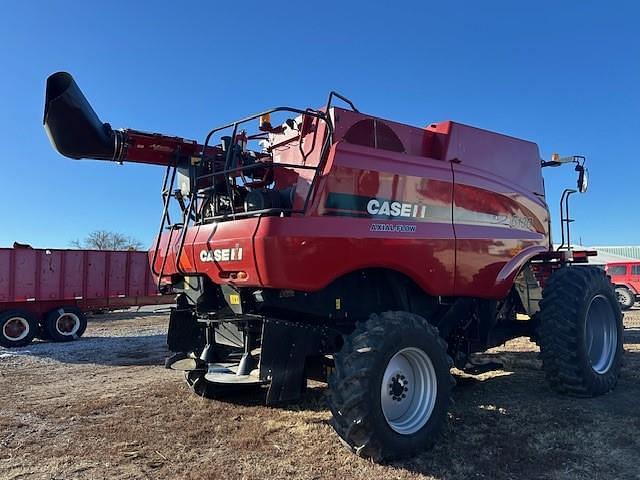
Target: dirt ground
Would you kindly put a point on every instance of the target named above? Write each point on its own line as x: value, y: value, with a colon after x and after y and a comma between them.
x: 104, y: 407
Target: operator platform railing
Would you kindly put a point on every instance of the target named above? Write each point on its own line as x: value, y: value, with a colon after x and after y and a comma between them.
x: 229, y: 173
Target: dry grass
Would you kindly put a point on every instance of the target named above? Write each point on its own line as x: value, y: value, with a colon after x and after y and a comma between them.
x: 105, y: 408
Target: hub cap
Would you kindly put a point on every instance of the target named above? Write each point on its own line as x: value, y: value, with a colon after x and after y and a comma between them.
x: 623, y: 296
x: 68, y: 324
x: 15, y: 329
x: 408, y: 392
x: 601, y: 334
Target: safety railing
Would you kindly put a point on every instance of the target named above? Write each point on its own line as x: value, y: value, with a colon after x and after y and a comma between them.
x: 197, y: 196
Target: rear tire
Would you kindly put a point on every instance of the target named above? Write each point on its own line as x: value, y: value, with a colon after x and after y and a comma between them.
x: 206, y: 389
x: 42, y: 333
x: 625, y: 297
x: 65, y: 324
x: 581, y: 332
x: 18, y: 328
x: 391, y: 388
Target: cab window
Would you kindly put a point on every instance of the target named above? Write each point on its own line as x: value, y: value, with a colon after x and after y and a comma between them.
x: 617, y: 270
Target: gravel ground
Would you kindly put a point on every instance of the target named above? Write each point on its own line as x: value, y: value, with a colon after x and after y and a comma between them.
x: 104, y: 407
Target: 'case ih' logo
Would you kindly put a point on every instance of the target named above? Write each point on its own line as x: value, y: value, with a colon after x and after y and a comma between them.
x: 396, y: 209
x: 221, y: 255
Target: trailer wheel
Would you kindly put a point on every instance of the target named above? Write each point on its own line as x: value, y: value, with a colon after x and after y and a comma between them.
x: 17, y: 328
x: 625, y: 297
x: 390, y: 391
x: 65, y: 324
x: 42, y: 333
x: 580, y: 332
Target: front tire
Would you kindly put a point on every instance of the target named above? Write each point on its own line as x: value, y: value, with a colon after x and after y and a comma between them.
x: 581, y: 332
x: 625, y: 297
x: 390, y: 392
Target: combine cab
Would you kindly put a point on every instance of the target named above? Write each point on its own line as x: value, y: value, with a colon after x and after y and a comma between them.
x: 372, y: 255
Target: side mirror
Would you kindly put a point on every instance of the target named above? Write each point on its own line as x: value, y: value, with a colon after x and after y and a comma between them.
x: 583, y: 178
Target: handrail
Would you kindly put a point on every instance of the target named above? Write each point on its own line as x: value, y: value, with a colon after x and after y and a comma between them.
x: 324, y: 116
x: 183, y: 233
x: 251, y: 167
x: 166, y: 196
x: 313, y: 143
x: 565, y: 221
x: 341, y: 97
x: 252, y: 213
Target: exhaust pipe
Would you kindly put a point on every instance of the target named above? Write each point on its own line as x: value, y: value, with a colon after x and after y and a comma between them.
x: 73, y: 127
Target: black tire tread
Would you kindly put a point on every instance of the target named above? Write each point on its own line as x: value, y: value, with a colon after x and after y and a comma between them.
x: 33, y: 328
x: 563, y: 299
x: 625, y: 306
x: 49, y: 324
x: 348, y: 383
x: 212, y: 391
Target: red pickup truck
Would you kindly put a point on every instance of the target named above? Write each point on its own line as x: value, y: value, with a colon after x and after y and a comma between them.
x: 626, y: 278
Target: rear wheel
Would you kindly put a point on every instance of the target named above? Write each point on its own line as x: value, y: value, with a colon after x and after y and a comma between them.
x: 580, y: 332
x: 65, y: 324
x: 625, y: 297
x: 213, y: 390
x: 17, y: 328
x: 391, y: 388
x: 42, y: 333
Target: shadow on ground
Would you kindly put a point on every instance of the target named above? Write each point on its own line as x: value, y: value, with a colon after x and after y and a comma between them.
x: 502, y: 425
x: 106, y: 317
x: 510, y: 424
x: 113, y: 350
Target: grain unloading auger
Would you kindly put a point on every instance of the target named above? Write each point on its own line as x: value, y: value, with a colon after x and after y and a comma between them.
x: 76, y: 131
x: 369, y: 254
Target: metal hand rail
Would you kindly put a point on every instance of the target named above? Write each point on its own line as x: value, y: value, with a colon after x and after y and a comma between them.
x: 565, y: 221
x: 324, y: 116
x: 166, y: 198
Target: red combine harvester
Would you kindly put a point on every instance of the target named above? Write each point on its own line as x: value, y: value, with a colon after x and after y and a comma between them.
x: 338, y: 246
x: 46, y: 292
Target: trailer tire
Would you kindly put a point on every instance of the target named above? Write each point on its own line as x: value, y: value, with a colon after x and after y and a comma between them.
x: 376, y: 412
x: 42, y: 333
x: 18, y: 328
x: 581, y: 332
x: 65, y: 324
x: 625, y: 297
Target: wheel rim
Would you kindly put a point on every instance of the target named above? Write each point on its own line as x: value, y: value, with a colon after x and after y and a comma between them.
x: 601, y: 334
x: 409, y: 390
x: 623, y: 297
x: 15, y: 329
x: 67, y: 324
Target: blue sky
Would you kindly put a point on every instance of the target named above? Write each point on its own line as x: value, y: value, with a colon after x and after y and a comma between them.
x: 563, y: 74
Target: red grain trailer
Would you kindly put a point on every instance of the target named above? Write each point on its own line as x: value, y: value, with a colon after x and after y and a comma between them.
x: 46, y: 292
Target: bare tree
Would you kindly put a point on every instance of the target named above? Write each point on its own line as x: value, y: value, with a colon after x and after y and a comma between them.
x: 105, y: 240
